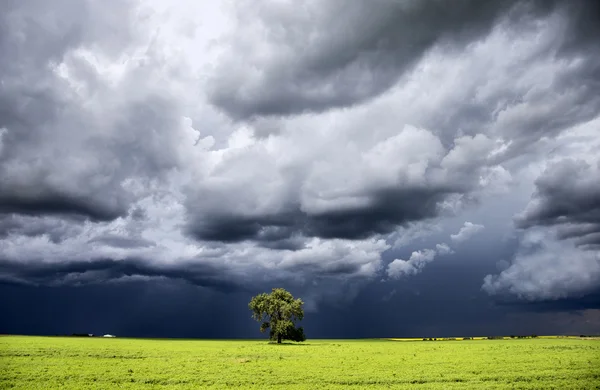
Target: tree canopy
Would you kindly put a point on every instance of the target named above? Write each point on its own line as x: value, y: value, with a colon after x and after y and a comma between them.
x: 279, y: 312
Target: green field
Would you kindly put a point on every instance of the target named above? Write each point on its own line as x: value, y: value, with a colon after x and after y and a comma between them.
x: 97, y: 363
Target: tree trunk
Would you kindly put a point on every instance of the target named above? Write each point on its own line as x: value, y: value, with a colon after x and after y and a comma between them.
x: 279, y: 334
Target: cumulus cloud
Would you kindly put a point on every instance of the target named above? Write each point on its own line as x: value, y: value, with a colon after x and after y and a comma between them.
x: 238, y: 145
x: 443, y: 249
x: 543, y: 269
x: 559, y: 255
x: 417, y: 261
x: 352, y: 192
x: 413, y: 265
x: 468, y: 230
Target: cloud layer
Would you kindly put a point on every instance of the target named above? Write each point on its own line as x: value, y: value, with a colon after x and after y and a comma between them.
x: 240, y: 145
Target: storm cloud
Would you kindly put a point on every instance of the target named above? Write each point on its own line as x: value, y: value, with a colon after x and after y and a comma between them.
x: 559, y: 255
x: 327, y: 146
x: 567, y: 196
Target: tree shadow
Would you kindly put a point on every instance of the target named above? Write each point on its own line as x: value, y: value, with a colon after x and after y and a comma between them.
x: 291, y: 344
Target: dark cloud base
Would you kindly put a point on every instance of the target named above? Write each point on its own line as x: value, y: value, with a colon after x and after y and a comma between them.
x: 568, y: 197
x: 57, y: 205
x: 108, y: 270
x: 387, y: 211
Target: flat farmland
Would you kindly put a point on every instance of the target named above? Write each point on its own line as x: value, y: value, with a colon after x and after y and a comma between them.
x: 98, y: 363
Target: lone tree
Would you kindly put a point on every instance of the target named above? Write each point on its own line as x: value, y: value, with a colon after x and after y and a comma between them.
x: 278, y: 311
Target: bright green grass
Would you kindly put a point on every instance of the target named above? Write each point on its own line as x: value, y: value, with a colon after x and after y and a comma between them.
x: 96, y: 363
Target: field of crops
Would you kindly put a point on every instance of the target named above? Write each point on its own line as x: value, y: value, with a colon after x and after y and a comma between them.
x: 76, y: 363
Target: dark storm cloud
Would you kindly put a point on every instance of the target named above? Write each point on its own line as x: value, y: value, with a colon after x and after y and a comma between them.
x: 34, y: 35
x: 385, y: 211
x: 59, y: 149
x: 105, y: 270
x: 527, y: 108
x: 567, y: 196
x: 63, y: 172
x: 343, y: 53
x: 330, y: 266
x: 56, y: 204
x: 340, y: 54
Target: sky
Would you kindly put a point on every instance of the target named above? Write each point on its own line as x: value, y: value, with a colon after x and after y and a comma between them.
x: 408, y: 168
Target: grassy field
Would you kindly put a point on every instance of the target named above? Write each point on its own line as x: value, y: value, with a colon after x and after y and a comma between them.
x: 96, y: 363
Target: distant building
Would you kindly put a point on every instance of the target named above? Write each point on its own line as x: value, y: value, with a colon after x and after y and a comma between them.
x: 109, y: 335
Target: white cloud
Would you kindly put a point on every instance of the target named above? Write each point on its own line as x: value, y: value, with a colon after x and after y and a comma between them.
x: 467, y: 231
x: 545, y: 269
x: 413, y: 265
x: 443, y: 249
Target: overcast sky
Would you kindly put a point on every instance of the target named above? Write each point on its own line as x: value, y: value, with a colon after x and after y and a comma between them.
x: 408, y: 168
